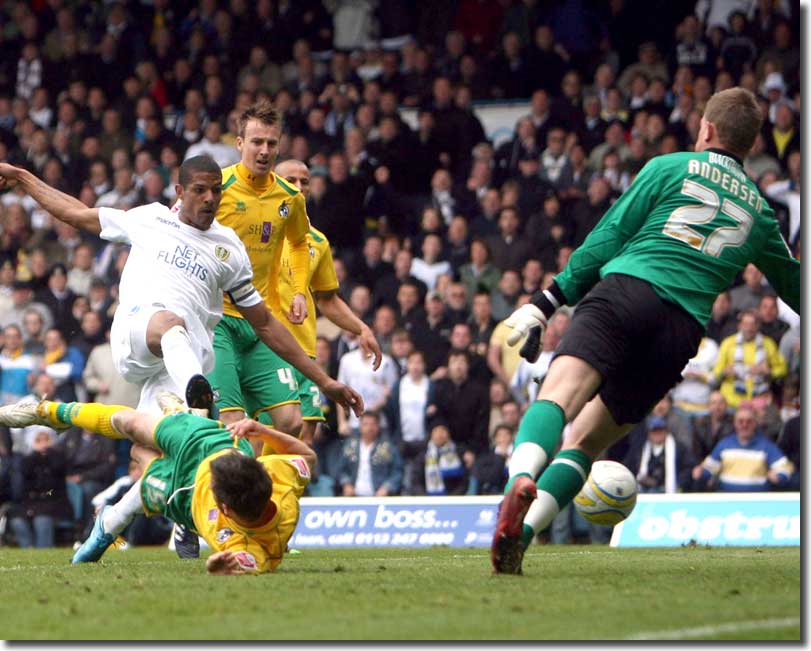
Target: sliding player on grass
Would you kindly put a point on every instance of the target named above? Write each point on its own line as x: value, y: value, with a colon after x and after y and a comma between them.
x: 647, y: 275
x: 171, y: 292
x: 197, y: 474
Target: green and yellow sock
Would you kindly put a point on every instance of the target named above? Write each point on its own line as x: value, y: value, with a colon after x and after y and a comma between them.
x: 92, y: 416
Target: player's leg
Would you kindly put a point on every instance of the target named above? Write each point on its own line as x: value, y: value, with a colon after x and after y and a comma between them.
x: 311, y: 414
x: 113, y: 519
x: 569, y: 385
x: 271, y: 390
x: 229, y: 340
x: 592, y: 431
x: 309, y: 428
x: 167, y: 337
x: 116, y: 517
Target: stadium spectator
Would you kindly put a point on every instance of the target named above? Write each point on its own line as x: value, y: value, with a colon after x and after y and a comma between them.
x: 429, y: 266
x: 45, y: 502
x: 370, y: 462
x: 480, y: 272
x: 464, y: 406
x: 748, y: 362
x: 789, y: 443
x: 710, y: 428
x: 15, y: 365
x: 408, y: 413
x: 745, y: 460
x: 90, y: 463
x: 444, y: 471
x: 64, y: 364
x: 374, y: 386
x: 771, y: 324
x: 661, y: 464
x: 490, y: 468
x: 747, y: 296
x: 691, y: 396
x: 722, y: 321
x: 508, y: 250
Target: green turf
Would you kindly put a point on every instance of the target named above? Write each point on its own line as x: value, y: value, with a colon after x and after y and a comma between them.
x: 567, y: 592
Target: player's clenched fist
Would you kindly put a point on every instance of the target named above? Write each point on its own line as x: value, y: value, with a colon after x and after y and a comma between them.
x: 8, y: 175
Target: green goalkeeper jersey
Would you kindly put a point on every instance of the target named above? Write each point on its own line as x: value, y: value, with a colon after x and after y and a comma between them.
x: 687, y: 225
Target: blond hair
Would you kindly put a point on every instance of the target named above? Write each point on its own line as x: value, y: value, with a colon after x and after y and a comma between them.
x: 737, y: 118
x: 263, y: 111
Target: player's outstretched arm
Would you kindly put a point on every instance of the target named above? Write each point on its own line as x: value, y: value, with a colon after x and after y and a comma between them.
x: 336, y: 310
x: 279, y: 340
x: 62, y: 206
x: 282, y: 443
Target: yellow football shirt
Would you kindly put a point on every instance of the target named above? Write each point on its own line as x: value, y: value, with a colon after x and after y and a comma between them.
x: 320, y: 278
x: 261, y: 549
x: 263, y: 213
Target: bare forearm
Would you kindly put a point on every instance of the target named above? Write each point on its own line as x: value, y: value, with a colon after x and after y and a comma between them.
x: 280, y: 341
x: 285, y: 444
x: 336, y: 310
x: 62, y: 206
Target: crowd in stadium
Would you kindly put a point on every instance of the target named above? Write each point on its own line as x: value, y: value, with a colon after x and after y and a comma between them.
x: 438, y: 233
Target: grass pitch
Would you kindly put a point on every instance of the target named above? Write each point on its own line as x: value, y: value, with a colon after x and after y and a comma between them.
x: 566, y: 592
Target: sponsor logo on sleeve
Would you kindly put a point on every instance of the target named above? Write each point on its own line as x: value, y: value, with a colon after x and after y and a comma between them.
x: 246, y: 560
x: 213, y: 514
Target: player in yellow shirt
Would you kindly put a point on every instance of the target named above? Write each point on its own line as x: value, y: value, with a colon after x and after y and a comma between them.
x: 265, y: 211
x: 197, y: 474
x: 322, y: 284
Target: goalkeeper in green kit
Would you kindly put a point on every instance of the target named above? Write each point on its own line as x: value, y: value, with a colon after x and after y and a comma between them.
x: 644, y: 281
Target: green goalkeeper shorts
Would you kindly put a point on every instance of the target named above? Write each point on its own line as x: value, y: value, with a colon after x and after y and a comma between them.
x: 168, y: 481
x: 248, y: 375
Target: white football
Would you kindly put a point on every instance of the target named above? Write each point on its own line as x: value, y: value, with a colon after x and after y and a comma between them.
x: 609, y: 494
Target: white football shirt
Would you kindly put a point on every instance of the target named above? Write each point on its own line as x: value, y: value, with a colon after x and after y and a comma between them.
x: 180, y: 268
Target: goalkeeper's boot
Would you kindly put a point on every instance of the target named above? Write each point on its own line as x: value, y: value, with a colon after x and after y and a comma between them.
x: 507, y: 550
x: 96, y: 544
x: 200, y: 396
x: 187, y: 542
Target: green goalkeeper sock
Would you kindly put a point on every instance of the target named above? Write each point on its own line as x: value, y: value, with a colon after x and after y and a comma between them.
x: 538, y: 436
x: 557, y: 486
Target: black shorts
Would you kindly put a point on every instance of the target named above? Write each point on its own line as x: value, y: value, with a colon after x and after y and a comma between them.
x: 638, y: 342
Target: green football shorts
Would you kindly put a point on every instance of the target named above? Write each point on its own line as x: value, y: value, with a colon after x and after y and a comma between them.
x: 168, y: 481
x: 310, y: 396
x: 248, y: 375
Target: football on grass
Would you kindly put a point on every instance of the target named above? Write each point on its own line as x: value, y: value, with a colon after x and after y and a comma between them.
x: 609, y: 494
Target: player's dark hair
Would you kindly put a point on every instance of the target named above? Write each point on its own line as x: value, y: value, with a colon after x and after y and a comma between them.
x: 242, y: 484
x: 263, y: 111
x: 737, y: 118
x: 195, y: 164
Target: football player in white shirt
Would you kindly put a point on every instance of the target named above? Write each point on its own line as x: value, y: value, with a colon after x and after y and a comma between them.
x: 171, y: 291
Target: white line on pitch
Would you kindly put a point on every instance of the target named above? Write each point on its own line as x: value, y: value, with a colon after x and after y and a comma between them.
x: 716, y: 629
